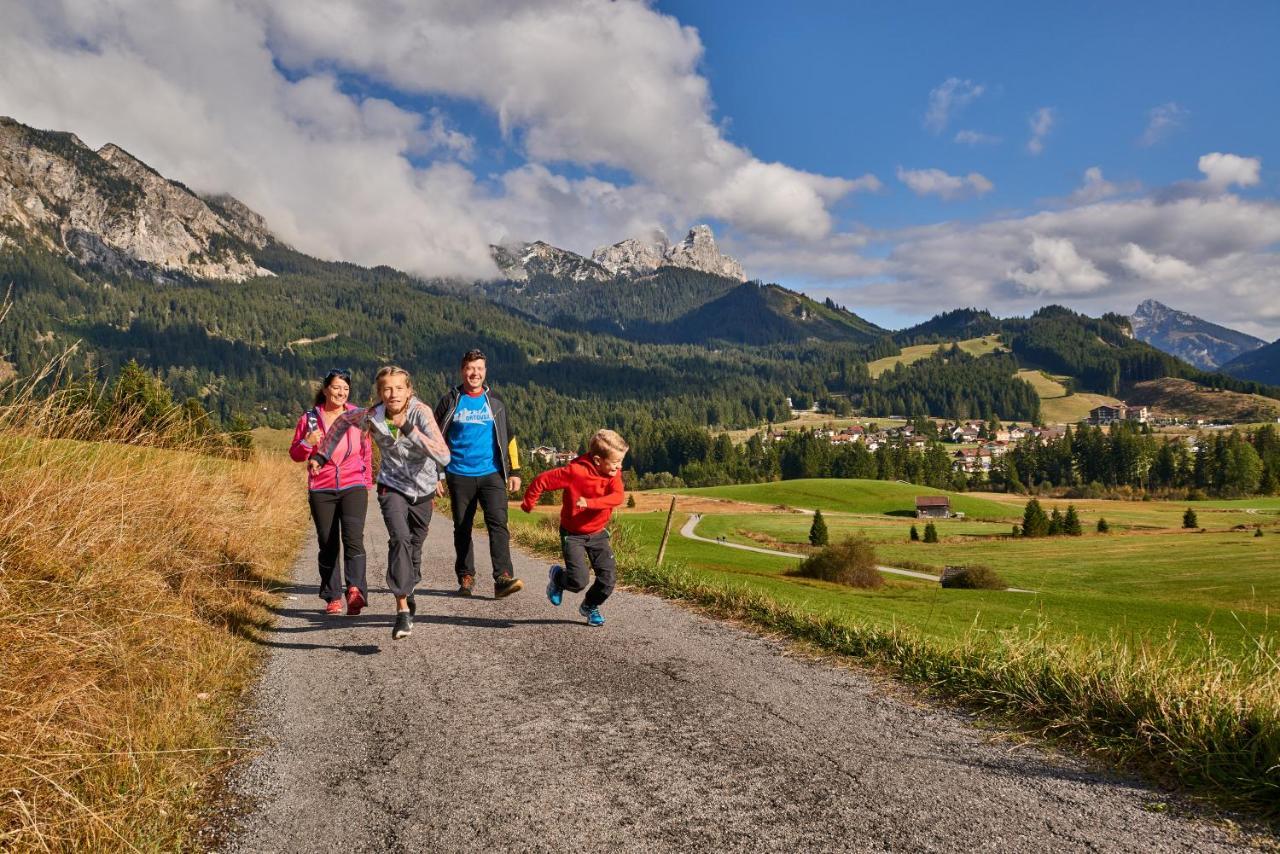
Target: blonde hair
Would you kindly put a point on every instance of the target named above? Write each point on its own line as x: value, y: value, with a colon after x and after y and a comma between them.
x: 607, y: 441
x: 391, y: 371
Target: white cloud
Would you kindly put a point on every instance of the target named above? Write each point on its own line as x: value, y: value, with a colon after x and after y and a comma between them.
x: 947, y: 100
x: 1213, y: 255
x: 1096, y: 188
x: 1162, y: 121
x: 935, y: 182
x: 1040, y: 123
x: 1222, y: 171
x: 973, y: 137
x: 200, y: 95
x: 1157, y: 268
x: 1056, y: 269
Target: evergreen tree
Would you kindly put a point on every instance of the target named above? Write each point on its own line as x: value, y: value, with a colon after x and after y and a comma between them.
x: 1189, y: 519
x: 818, y: 530
x: 930, y: 533
x: 631, y: 500
x: 1055, y: 523
x: 1034, y: 521
x: 1103, y: 527
x: 915, y: 534
x: 1071, y: 522
x: 1257, y: 531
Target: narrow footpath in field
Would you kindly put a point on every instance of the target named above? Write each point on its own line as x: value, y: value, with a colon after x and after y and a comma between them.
x: 511, y: 725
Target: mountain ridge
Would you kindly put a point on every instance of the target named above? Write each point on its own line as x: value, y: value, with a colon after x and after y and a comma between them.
x: 1202, y: 343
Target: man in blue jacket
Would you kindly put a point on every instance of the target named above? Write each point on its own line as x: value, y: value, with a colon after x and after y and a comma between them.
x: 484, y: 465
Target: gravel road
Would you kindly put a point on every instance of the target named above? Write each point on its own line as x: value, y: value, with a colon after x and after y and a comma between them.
x: 512, y: 726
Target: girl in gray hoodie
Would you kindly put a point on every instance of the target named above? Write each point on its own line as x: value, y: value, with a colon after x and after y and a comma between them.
x: 413, y: 452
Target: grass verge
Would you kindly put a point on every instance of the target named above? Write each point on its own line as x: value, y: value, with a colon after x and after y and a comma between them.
x: 132, y: 580
x: 1209, y: 727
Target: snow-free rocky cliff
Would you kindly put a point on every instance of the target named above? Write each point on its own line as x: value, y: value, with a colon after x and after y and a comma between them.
x: 108, y: 208
x: 1205, y: 345
x: 627, y: 258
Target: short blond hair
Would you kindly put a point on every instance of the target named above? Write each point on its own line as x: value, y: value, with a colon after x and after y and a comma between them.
x: 608, y: 441
x: 392, y: 371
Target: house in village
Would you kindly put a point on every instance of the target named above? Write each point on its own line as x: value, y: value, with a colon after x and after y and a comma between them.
x: 964, y: 434
x: 1100, y: 416
x: 971, y: 460
x: 933, y: 507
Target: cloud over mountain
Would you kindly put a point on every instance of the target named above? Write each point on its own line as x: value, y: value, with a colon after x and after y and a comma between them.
x: 302, y: 110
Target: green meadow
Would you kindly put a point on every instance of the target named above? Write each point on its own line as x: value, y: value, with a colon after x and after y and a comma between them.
x: 1147, y: 582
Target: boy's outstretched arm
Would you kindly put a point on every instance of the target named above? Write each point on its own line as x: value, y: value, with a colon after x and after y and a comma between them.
x: 428, y: 435
x: 548, y: 481
x: 341, y: 424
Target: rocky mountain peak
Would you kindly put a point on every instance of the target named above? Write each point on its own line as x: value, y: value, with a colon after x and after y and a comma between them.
x: 111, y: 209
x: 1193, y: 339
x: 519, y: 262
x: 698, y: 251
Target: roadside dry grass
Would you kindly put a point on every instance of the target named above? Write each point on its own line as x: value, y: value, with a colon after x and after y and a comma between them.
x: 132, y: 579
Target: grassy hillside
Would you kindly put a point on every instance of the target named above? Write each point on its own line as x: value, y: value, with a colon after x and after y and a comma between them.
x: 1058, y: 407
x: 852, y: 496
x: 1187, y: 399
x: 913, y: 354
x: 132, y: 582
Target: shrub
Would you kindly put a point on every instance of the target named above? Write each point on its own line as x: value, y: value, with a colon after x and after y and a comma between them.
x: 930, y: 533
x: 631, y: 500
x: 818, y: 530
x: 1055, y: 523
x: 851, y: 562
x: 977, y: 576
x: 1189, y: 519
x: 1257, y: 532
x: 915, y: 534
x: 1103, y: 527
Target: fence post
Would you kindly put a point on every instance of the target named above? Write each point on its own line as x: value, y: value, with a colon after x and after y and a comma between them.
x: 666, y: 532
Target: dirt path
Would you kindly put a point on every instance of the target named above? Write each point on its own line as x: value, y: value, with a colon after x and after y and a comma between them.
x: 511, y: 725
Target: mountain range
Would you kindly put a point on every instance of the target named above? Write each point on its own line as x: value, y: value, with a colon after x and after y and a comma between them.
x: 1192, y: 339
x: 108, y: 256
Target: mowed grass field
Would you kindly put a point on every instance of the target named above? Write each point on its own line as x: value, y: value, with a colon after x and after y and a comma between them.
x: 1149, y: 581
x: 1056, y: 406
x: 910, y: 355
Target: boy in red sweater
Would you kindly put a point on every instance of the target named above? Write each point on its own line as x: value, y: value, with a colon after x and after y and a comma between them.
x: 592, y: 487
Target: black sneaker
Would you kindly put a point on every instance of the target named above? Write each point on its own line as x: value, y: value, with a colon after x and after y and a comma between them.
x: 404, y: 625
x: 505, y: 585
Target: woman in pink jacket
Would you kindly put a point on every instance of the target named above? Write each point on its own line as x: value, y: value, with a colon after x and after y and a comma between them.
x: 338, y: 493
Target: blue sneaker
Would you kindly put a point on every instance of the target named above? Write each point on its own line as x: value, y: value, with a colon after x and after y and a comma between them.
x: 555, y: 593
x: 592, y: 614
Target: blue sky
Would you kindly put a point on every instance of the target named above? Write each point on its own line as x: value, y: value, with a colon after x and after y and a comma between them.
x: 877, y: 153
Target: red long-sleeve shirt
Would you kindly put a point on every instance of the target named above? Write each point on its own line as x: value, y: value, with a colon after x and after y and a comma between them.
x: 579, y: 479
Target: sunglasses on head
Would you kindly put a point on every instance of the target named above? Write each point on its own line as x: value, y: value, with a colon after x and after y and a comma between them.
x: 340, y: 373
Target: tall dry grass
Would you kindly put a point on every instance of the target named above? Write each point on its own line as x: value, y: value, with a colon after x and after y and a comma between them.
x: 135, y: 568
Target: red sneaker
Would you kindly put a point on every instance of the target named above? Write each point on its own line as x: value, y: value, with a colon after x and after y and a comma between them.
x: 355, y: 601
x: 334, y: 608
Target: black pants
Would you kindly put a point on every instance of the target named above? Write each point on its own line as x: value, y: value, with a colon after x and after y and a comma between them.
x: 490, y: 494
x: 581, y: 550
x: 339, y: 518
x: 407, y: 520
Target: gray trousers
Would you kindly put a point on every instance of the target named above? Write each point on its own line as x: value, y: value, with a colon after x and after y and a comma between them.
x: 582, y: 553
x: 406, y: 520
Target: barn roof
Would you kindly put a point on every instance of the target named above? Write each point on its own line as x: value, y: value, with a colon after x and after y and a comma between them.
x: 932, y: 501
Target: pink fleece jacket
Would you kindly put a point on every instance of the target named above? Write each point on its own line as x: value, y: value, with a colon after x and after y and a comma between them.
x: 352, y: 461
